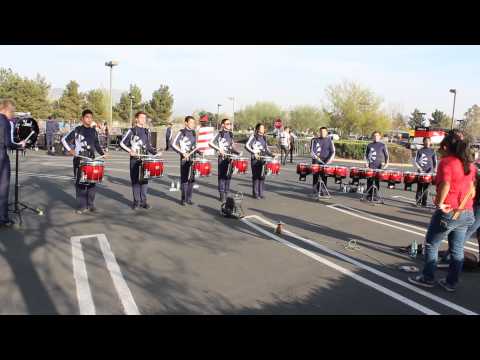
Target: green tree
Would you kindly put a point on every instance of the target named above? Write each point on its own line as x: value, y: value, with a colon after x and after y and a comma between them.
x: 471, y: 123
x: 98, y: 103
x: 71, y: 102
x: 30, y: 95
x: 260, y: 112
x: 307, y: 117
x: 353, y: 109
x: 399, y: 121
x: 415, y: 119
x: 123, y: 107
x: 160, y: 107
x: 440, y: 120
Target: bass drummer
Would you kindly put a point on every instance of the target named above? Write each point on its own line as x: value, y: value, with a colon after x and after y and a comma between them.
x: 137, y: 141
x: 85, y: 141
x: 376, y: 157
x: 322, y: 151
x: 425, y: 162
x: 223, y: 143
x: 185, y: 143
x: 257, y: 146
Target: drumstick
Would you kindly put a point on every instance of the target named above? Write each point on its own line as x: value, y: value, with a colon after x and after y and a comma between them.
x: 191, y: 152
x: 29, y: 136
x: 84, y: 157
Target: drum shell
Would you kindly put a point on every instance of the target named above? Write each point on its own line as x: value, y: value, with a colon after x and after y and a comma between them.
x: 92, y: 171
x: 154, y: 167
x: 202, y: 167
x: 354, y: 172
x: 396, y: 177
x: 316, y: 169
x: 410, y: 177
x: 240, y: 165
x: 303, y: 169
x: 329, y: 170
x: 273, y: 167
x: 383, y: 175
x: 366, y: 173
x: 425, y: 178
x: 341, y: 171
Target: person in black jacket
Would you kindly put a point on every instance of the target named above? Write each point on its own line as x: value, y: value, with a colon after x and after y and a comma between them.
x: 425, y: 162
x: 137, y: 141
x: 7, y: 109
x: 322, y: 151
x: 85, y: 139
x: 168, y: 136
x: 377, y: 157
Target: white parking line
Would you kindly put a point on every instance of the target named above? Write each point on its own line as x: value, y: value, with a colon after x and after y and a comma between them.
x: 345, y: 271
x: 368, y: 268
x: 369, y: 218
x: 84, y: 295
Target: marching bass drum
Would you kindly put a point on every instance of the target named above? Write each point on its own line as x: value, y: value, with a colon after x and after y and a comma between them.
x: 24, y: 126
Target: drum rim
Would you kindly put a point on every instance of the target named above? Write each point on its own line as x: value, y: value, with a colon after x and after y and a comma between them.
x: 93, y: 162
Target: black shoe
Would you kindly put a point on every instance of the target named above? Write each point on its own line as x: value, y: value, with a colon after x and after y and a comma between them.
x: 190, y: 202
x: 81, y: 211
x: 93, y: 209
x: 262, y: 197
x: 9, y: 224
x: 146, y: 206
x: 182, y: 202
x: 421, y: 281
x: 444, y: 284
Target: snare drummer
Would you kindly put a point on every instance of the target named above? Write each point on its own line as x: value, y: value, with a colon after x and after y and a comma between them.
x: 223, y: 143
x: 322, y: 151
x: 257, y: 146
x: 425, y: 162
x: 85, y: 139
x: 184, y: 144
x: 377, y: 157
x: 137, y: 141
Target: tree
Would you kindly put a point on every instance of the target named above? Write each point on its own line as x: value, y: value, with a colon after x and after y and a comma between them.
x: 307, y: 117
x: 416, y: 119
x: 260, y: 112
x: 471, y: 124
x: 123, y: 107
x: 71, y: 102
x: 160, y: 106
x: 353, y: 109
x: 98, y: 103
x: 440, y: 119
x: 30, y: 95
x: 399, y: 121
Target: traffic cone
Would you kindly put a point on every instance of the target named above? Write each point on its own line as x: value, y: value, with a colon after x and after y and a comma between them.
x: 172, y: 187
x: 278, y: 230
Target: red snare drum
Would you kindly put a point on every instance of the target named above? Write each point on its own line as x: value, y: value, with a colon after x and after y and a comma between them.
x: 425, y: 178
x: 91, y: 171
x: 303, y: 169
x: 341, y: 171
x: 366, y: 173
x: 382, y: 175
x: 316, y: 169
x: 329, y: 170
x: 240, y: 165
x: 396, y: 177
x: 152, y: 168
x: 273, y: 167
x: 354, y: 172
x: 410, y: 177
x: 202, y: 167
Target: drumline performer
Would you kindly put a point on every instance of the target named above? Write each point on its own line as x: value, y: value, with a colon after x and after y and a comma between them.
x: 223, y: 143
x: 85, y: 139
x: 322, y: 151
x: 377, y: 157
x: 7, y: 109
x: 257, y: 146
x: 185, y: 143
x: 137, y: 141
x: 425, y: 162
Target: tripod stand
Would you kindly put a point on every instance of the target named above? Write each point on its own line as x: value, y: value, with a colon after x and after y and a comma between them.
x: 322, y: 189
x: 17, y: 205
x: 426, y: 192
x: 373, y: 195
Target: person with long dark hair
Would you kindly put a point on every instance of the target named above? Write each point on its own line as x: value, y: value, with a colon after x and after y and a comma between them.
x: 257, y: 147
x: 455, y: 192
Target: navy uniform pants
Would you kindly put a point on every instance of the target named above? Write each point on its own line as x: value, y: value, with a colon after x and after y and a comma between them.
x: 139, y: 188
x: 85, y: 192
x: 224, y: 175
x: 316, y: 183
x: 4, y: 185
x: 258, y: 177
x: 187, y: 178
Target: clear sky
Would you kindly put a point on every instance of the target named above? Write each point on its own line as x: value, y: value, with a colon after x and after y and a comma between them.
x: 200, y: 77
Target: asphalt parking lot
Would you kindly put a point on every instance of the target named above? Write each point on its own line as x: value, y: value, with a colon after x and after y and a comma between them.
x: 190, y: 260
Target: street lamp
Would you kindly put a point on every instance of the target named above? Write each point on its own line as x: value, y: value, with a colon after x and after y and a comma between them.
x: 454, y: 92
x: 218, y: 115
x: 233, y: 109
x: 131, y: 105
x: 111, y: 64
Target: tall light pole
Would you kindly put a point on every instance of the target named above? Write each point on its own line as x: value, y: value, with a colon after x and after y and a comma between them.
x: 233, y: 109
x: 131, y: 106
x: 454, y: 92
x: 111, y: 64
x: 218, y: 114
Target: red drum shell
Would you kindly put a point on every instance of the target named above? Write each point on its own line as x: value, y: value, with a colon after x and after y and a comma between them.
x: 240, y: 165
x: 329, y: 170
x: 396, y: 177
x: 425, y: 178
x: 354, y: 172
x: 273, y: 166
x: 154, y: 167
x: 341, y: 171
x: 92, y: 171
x: 382, y: 175
x: 303, y: 169
x: 202, y: 167
x: 316, y: 169
x: 410, y: 177
x: 366, y: 173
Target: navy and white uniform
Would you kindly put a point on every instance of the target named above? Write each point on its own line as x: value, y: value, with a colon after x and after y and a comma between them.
x: 425, y: 162
x: 323, y: 149
x: 138, y: 139
x: 184, y: 142
x: 224, y: 141
x: 6, y: 142
x: 376, y: 155
x: 257, y: 144
x: 168, y: 138
x: 85, y: 142
x: 51, y: 128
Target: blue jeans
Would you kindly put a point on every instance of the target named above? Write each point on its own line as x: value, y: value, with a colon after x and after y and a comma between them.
x: 475, y: 228
x: 442, y: 226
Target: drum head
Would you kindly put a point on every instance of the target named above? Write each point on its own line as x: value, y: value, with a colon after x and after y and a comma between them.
x: 23, y: 128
